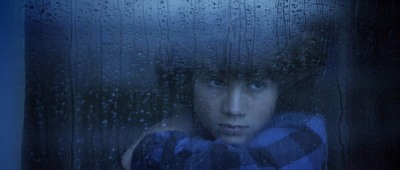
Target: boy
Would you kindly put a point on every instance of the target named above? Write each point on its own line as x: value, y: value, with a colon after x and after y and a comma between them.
x: 231, y: 124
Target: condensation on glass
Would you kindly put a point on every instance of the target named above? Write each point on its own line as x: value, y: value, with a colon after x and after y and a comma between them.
x: 93, y: 81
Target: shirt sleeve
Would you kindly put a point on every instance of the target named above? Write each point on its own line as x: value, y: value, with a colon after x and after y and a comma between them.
x: 290, y: 141
x: 154, y: 150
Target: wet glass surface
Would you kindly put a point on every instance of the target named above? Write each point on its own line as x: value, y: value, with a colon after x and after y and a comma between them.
x: 99, y: 73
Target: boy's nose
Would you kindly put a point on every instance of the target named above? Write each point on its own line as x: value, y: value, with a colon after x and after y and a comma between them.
x: 234, y: 103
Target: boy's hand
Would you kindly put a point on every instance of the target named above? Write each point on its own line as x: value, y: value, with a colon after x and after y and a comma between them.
x: 181, y: 123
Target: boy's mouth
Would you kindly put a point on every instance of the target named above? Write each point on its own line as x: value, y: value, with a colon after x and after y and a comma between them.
x: 230, y: 129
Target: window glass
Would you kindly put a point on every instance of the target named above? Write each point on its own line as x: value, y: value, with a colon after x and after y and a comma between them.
x: 101, y: 73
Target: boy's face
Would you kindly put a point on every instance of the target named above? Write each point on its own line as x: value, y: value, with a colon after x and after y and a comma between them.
x: 234, y: 107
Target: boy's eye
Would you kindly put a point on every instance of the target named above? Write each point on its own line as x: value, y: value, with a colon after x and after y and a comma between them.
x: 215, y: 82
x: 258, y: 85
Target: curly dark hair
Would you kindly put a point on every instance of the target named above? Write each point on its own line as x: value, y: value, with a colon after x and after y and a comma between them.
x: 303, y: 58
x: 297, y: 60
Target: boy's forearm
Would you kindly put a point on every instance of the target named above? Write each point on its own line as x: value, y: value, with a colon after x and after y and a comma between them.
x: 176, y: 123
x: 285, y: 144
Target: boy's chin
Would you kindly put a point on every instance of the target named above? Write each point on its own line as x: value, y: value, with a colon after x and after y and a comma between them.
x: 234, y: 140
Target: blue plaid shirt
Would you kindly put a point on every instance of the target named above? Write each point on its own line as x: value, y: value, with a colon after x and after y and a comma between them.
x: 289, y: 141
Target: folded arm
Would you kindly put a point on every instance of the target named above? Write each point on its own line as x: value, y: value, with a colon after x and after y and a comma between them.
x: 180, y: 123
x: 289, y: 142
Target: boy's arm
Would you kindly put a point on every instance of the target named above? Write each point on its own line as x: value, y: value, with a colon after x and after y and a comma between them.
x: 181, y: 123
x: 294, y: 140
